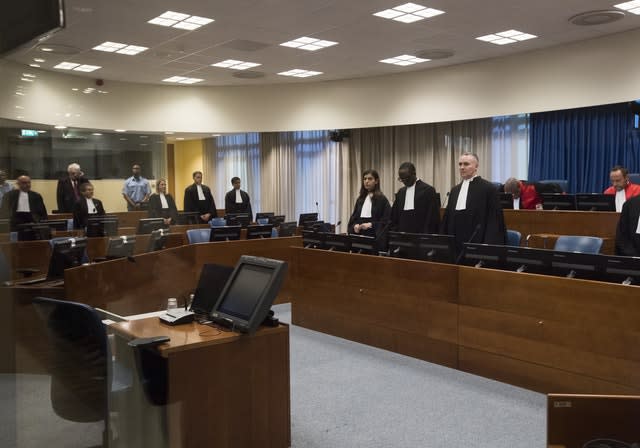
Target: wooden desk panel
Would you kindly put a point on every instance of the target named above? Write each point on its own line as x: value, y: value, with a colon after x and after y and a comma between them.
x: 560, y: 222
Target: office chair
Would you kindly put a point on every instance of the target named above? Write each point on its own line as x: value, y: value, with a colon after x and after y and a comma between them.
x: 513, y: 238
x: 562, y: 183
x: 634, y: 178
x: 218, y: 222
x: 198, y: 235
x: 583, y: 244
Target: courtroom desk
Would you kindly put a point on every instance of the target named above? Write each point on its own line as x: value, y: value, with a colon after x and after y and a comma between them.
x: 224, y: 389
x: 405, y: 306
x: 549, y: 334
x: 559, y: 222
x: 28, y: 254
x: 548, y: 241
x: 97, y: 247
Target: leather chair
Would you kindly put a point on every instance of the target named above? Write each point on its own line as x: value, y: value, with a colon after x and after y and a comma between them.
x: 575, y: 243
x: 198, y: 235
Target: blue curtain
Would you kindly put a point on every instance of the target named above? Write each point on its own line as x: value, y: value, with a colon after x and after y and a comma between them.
x: 581, y: 145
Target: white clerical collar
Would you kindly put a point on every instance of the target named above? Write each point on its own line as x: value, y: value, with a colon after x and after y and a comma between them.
x: 200, y: 192
x: 91, y: 207
x: 366, y: 207
x: 461, y: 203
x: 238, y: 197
x: 621, y: 197
x: 23, y: 202
x: 409, y: 198
x: 163, y: 201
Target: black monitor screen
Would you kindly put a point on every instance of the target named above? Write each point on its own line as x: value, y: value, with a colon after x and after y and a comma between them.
x: 26, y: 20
x: 148, y: 225
x: 277, y: 219
x: 264, y: 215
x: 66, y: 254
x: 259, y: 231
x: 505, y: 200
x: 404, y: 245
x: 102, y: 226
x: 33, y: 232
x: 312, y: 239
x: 625, y: 270
x: 249, y: 293
x: 121, y: 247
x: 212, y: 279
x: 306, y: 217
x: 596, y: 202
x: 484, y: 255
x: 558, y: 201
x: 56, y: 224
x: 157, y: 240
x: 438, y: 248
x: 237, y: 219
x: 186, y: 218
x: 337, y: 243
x: 225, y: 233
x: 577, y: 265
x: 361, y: 244
x: 287, y: 228
x: 528, y: 259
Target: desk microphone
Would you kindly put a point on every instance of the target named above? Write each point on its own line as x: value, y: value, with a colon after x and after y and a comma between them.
x: 473, y: 235
x: 317, y: 209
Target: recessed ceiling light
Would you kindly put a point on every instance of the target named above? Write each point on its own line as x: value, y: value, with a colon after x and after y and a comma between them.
x: 235, y: 65
x: 404, y: 60
x: 182, y: 80
x: 506, y: 37
x: 179, y: 138
x: 20, y: 93
x: 408, y: 13
x: 308, y: 43
x: 66, y: 65
x: 169, y: 133
x: 38, y: 60
x: 60, y: 127
x: 300, y: 73
x: 34, y: 65
x: 115, y: 47
x: 42, y: 132
x: 632, y: 7
x: 120, y: 130
x: 180, y: 20
x: 123, y: 139
x: 46, y: 49
x: 77, y: 67
x: 96, y: 134
x: 87, y: 68
x: 26, y: 79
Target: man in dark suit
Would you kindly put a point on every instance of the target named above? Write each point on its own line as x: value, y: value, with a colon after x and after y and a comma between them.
x: 68, y: 191
x: 237, y: 201
x: 23, y: 206
x: 87, y: 206
x: 416, y: 208
x: 198, y: 198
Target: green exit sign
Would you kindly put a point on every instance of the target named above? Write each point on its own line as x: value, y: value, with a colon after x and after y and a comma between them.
x: 29, y: 133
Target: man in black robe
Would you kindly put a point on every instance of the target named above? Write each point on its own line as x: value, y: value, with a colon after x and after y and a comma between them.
x: 237, y: 200
x: 627, y: 233
x: 416, y: 208
x: 473, y: 213
x: 22, y: 206
x: 198, y: 198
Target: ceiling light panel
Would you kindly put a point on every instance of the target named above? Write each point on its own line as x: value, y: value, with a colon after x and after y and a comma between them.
x: 309, y: 43
x: 182, y: 80
x: 408, y: 13
x: 115, y: 47
x: 632, y: 7
x: 180, y: 20
x: 404, y: 60
x: 66, y: 65
x: 235, y: 65
x: 87, y: 68
x: 300, y: 73
x: 506, y: 37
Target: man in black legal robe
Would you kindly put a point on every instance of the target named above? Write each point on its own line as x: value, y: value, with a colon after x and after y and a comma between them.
x: 22, y: 206
x: 198, y: 198
x: 627, y: 236
x: 473, y: 213
x: 416, y: 208
x: 237, y: 200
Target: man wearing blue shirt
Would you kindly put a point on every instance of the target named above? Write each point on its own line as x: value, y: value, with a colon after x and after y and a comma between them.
x: 136, y: 190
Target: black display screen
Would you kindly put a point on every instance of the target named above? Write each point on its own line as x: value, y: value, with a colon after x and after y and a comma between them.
x: 245, y: 292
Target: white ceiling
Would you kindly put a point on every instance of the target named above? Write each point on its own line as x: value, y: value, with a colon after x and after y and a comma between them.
x: 363, y: 38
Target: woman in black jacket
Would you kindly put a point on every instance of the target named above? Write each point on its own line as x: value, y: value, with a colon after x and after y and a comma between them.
x: 372, y: 210
x: 162, y: 205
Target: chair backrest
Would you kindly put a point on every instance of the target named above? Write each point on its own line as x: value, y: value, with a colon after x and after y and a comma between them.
x: 634, y: 178
x: 198, y: 235
x: 513, y: 238
x: 583, y: 244
x: 218, y: 222
x: 562, y: 183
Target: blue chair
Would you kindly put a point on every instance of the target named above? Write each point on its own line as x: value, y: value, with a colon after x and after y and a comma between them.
x: 513, y: 238
x: 218, y: 222
x: 562, y: 183
x: 583, y: 244
x: 198, y: 235
x: 634, y: 178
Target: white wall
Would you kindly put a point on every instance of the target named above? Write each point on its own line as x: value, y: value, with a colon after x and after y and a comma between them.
x: 599, y: 71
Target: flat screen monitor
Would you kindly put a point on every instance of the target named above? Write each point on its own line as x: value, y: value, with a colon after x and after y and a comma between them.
x: 249, y: 293
x: 438, y: 248
x: 259, y: 231
x: 212, y: 279
x: 404, y: 245
x: 27, y: 20
x: 528, y: 259
x: 33, y: 232
x: 312, y: 239
x: 237, y: 219
x: 59, y: 225
x: 625, y: 270
x: 361, y: 244
x: 484, y: 255
x: 157, y: 240
x: 596, y: 202
x: 188, y: 218
x: 287, y: 228
x: 337, y: 243
x: 558, y: 201
x: 148, y: 225
x: 505, y: 200
x: 66, y: 254
x: 264, y: 215
x: 225, y: 233
x: 319, y: 226
x: 578, y: 265
x: 276, y: 220
x: 121, y: 247
x: 5, y: 227
x: 307, y: 217
x: 101, y: 226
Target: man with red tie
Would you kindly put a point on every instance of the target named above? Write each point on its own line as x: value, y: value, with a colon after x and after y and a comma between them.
x: 69, y: 188
x: 621, y: 186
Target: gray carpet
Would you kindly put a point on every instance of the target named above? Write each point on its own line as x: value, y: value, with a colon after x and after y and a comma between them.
x: 345, y: 394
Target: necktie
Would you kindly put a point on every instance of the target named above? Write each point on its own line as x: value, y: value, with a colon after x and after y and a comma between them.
x: 75, y: 189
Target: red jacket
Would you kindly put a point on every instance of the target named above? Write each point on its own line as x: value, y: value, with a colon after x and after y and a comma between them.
x: 630, y: 190
x: 529, y: 197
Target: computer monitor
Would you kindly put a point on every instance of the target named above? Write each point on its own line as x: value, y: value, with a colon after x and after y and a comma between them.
x: 319, y: 226
x: 56, y: 224
x: 618, y: 269
x: 237, y: 219
x: 33, y: 232
x: 264, y: 215
x: 187, y: 218
x: 366, y: 245
x: 148, y: 225
x: 337, y: 243
x: 157, y: 240
x: 312, y: 239
x: 121, y: 247
x: 259, y: 231
x: 249, y: 293
x: 287, y: 228
x: 558, y: 201
x: 307, y: 217
x: 212, y: 279
x: 276, y: 220
x: 484, y: 255
x: 578, y: 265
x: 528, y: 259
x: 596, y: 202
x: 404, y: 245
x: 225, y: 233
x: 5, y: 226
x: 505, y: 200
x: 438, y: 248
x: 100, y: 226
x: 64, y: 255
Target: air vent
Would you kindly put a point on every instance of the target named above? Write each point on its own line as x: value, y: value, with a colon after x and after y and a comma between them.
x: 248, y: 75
x: 596, y: 17
x: 435, y: 54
